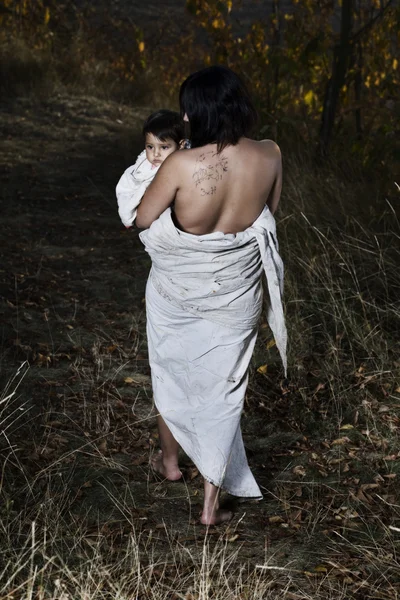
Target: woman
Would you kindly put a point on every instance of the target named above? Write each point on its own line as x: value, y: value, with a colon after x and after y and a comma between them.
x: 204, y: 293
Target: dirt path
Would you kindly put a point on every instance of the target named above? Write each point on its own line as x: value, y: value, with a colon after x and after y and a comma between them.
x: 72, y: 283
x: 82, y: 425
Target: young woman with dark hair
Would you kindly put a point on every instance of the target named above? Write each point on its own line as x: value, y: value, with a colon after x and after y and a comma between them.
x: 204, y: 293
x: 219, y: 106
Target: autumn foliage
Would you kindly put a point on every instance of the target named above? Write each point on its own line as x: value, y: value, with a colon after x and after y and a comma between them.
x: 315, y: 76
x: 81, y: 513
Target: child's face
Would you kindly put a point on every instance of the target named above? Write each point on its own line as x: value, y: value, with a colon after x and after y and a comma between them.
x: 157, y: 150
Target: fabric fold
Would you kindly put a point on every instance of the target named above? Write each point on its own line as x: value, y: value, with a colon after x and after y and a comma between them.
x: 132, y: 186
x: 203, y: 302
x: 218, y: 276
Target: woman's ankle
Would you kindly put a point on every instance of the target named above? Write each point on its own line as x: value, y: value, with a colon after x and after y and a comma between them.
x: 170, y: 461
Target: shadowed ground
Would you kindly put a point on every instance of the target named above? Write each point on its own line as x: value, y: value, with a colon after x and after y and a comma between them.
x: 82, y: 426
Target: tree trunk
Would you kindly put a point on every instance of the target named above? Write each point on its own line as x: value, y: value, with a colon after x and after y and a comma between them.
x: 277, y: 46
x: 341, y: 56
x: 358, y: 92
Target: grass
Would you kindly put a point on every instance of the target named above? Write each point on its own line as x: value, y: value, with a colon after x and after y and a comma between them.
x: 73, y: 54
x: 81, y: 514
x: 332, y: 514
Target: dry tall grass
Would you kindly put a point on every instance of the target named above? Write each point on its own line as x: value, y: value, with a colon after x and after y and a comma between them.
x: 330, y: 524
x: 342, y: 401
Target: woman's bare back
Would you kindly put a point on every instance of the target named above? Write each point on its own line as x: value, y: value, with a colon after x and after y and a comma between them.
x: 215, y: 191
x: 226, y: 191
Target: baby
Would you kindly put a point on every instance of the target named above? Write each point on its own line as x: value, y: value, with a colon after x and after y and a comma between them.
x: 163, y: 134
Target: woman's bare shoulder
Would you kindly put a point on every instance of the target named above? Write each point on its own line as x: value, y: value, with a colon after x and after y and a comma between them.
x: 266, y: 147
x: 271, y: 147
x: 176, y: 164
x: 181, y: 158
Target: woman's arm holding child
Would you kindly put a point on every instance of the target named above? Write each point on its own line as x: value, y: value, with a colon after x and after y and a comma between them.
x: 161, y: 192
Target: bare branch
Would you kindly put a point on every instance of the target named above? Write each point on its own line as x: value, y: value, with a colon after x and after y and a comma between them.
x: 372, y: 22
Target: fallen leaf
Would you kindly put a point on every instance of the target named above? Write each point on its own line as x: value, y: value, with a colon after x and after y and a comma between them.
x: 275, y: 519
x: 341, y: 441
x: 363, y: 497
x: 320, y: 386
x: 346, y: 426
x: 299, y: 470
x: 193, y: 473
x: 320, y: 569
x: 140, y: 460
x: 263, y: 369
x: 351, y: 514
x: 139, y: 379
x: 369, y: 486
x: 296, y: 515
x: 103, y: 445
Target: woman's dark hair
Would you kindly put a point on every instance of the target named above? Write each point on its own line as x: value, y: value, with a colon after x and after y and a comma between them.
x: 164, y: 125
x: 218, y: 107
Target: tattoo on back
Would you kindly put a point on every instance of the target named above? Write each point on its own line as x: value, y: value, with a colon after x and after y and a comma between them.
x: 205, y: 172
x: 209, y: 192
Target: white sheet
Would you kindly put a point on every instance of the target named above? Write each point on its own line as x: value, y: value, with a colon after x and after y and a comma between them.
x: 218, y: 276
x: 199, y: 373
x: 132, y: 186
x: 204, y: 299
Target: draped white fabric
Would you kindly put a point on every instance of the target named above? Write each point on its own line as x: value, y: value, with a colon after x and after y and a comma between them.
x: 199, y: 379
x: 203, y: 300
x: 218, y: 276
x: 132, y: 186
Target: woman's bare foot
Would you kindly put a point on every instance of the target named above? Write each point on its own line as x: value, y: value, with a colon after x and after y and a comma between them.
x: 212, y: 514
x: 216, y: 517
x: 169, y: 471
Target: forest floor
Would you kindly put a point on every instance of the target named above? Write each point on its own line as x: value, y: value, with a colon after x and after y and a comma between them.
x: 79, y: 431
